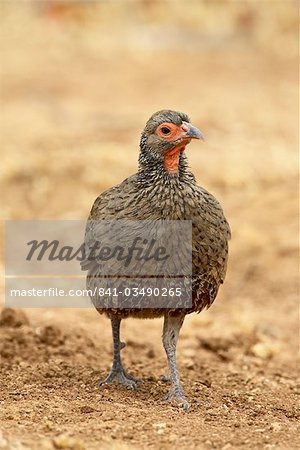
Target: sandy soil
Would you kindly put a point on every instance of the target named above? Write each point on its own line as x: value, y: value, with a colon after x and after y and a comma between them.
x: 76, y: 97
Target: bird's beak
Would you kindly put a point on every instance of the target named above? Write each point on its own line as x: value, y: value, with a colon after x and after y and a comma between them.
x: 191, y: 132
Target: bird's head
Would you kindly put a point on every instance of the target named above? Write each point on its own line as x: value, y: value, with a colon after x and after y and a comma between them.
x: 165, y: 137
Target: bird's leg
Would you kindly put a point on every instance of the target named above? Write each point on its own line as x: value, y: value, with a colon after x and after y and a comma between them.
x: 118, y: 373
x: 172, y: 325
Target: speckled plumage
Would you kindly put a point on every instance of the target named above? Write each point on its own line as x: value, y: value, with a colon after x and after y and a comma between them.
x: 154, y: 193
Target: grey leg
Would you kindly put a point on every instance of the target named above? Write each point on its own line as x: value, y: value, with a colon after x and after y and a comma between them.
x: 118, y: 373
x: 172, y: 325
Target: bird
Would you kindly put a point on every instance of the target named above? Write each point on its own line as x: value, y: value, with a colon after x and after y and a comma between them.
x: 163, y: 189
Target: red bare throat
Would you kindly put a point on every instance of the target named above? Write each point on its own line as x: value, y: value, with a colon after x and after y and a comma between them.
x: 171, y: 158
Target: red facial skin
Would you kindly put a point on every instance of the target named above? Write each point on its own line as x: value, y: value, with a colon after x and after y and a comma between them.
x: 171, y: 157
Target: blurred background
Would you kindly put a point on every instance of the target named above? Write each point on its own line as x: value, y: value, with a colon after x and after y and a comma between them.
x: 79, y: 79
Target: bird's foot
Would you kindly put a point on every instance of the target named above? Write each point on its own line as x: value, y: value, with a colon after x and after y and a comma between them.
x: 120, y: 376
x: 176, y: 395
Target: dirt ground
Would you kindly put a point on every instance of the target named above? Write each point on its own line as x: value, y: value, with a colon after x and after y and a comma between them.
x: 77, y: 86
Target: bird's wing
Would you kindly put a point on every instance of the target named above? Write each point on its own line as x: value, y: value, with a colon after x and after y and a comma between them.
x: 211, y: 233
x: 114, y: 204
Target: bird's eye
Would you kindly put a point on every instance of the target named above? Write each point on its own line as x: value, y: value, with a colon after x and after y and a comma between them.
x: 165, y: 130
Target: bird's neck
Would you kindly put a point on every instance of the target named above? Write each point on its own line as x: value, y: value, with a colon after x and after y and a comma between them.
x: 171, y: 166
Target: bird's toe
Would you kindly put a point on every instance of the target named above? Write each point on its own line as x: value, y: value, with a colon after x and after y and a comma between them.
x: 109, y: 379
x: 132, y: 378
x: 165, y: 378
